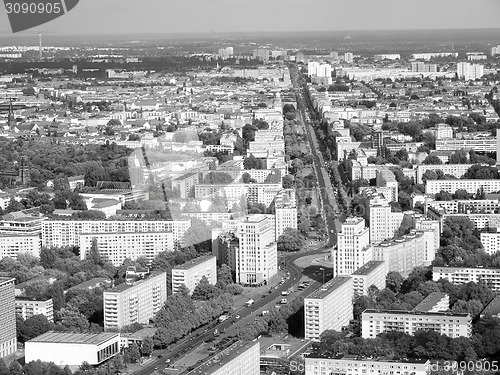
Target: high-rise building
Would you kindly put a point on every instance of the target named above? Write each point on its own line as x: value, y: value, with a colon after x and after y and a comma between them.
x: 469, y: 71
x: 190, y: 273
x: 421, y: 67
x: 334, y: 56
x: 383, y: 222
x: 286, y: 211
x: 386, y: 178
x: 353, y: 249
x: 8, y: 335
x: 257, y: 256
x: 349, y: 57
x: 329, y: 307
x: 372, y: 273
x: 135, y: 301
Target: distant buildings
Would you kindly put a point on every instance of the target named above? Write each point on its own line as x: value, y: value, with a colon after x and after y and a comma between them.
x: 72, y: 349
x: 469, y: 71
x: 135, y: 301
x: 470, y: 186
x: 375, y: 322
x: 349, y: 57
x: 225, y: 53
x: 421, y: 67
x: 352, y: 365
x: 495, y: 50
x: 190, y: 273
x: 491, y: 241
x: 390, y: 56
x: 8, y: 335
x: 353, y: 249
x: 428, y: 56
x: 329, y: 307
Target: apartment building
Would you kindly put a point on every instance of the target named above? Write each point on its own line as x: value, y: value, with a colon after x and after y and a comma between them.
x: 241, y: 358
x: 353, y: 249
x: 463, y: 275
x: 285, y: 211
x: 383, y: 222
x: 26, y: 308
x: 185, y: 183
x: 372, y: 273
x: 135, y: 301
x: 116, y: 247
x: 59, y: 233
x: 456, y: 170
x: 8, y: 334
x: 259, y: 175
x: 404, y: 253
x: 14, y: 244
x: 471, y: 186
x: 190, y: 273
x: 491, y: 241
x: 432, y: 229
x: 434, y: 302
x: 375, y: 322
x: 72, y: 349
x: 254, y: 193
x: 257, y: 257
x: 385, y: 178
x: 469, y: 71
x: 329, y: 307
x: 351, y: 365
x: 482, y: 144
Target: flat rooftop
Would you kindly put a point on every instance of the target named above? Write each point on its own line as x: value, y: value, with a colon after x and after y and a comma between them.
x: 223, y: 358
x: 193, y: 263
x: 368, y: 267
x: 364, y: 359
x: 75, y: 338
x: 406, y: 312
x: 329, y: 287
x: 122, y: 287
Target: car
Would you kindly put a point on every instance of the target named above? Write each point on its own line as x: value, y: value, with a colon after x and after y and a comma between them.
x: 237, y: 317
x: 156, y: 368
x: 160, y: 356
x: 167, y: 360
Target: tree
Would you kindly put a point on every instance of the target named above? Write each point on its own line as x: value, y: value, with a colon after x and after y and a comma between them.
x: 118, y: 362
x: 224, y: 276
x: 133, y: 353
x: 290, y: 240
x: 251, y: 162
x: 33, y: 327
x: 394, y: 281
x: 4, y: 370
x: 432, y: 159
x: 74, y: 320
x: 459, y: 157
x: 94, y: 256
x: 443, y: 196
x: 461, y: 194
x: 205, y: 291
x: 15, y: 368
x: 147, y: 346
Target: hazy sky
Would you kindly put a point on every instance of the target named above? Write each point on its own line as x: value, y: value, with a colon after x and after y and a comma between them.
x: 184, y: 16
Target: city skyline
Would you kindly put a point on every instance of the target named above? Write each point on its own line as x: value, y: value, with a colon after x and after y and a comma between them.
x: 174, y: 17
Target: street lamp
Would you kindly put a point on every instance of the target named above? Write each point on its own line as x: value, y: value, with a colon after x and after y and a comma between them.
x: 323, y: 270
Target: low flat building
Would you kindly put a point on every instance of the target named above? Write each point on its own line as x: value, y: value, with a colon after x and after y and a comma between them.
x: 190, y: 273
x: 329, y: 307
x: 372, y: 273
x: 434, y: 302
x: 316, y: 364
x: 72, y: 349
x: 27, y: 308
x: 375, y: 322
x: 239, y: 359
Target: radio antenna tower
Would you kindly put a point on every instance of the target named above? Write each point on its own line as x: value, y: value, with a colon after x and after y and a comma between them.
x: 40, y: 51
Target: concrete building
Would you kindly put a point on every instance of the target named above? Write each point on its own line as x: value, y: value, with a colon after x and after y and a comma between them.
x: 60, y: 233
x: 463, y: 275
x: 386, y: 179
x: 492, y: 309
x: 190, y: 273
x: 372, y: 273
x: 349, y: 57
x: 375, y: 322
x: 254, y: 193
x: 350, y: 365
x: 257, y: 256
x: 471, y: 186
x: 135, y: 301
x: 388, y: 56
x: 26, y: 308
x: 239, y: 359
x: 186, y: 183
x: 72, y: 349
x: 383, y: 222
x: 482, y: 144
x: 329, y: 307
x: 8, y: 335
x: 116, y: 247
x: 434, y: 302
x: 404, y: 253
x: 491, y: 241
x: 12, y: 245
x: 353, y: 249
x: 456, y: 170
x: 285, y: 211
x: 433, y: 238
x: 469, y: 71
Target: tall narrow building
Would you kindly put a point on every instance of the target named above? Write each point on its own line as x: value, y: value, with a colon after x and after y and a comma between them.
x: 257, y: 256
x: 353, y: 247
x: 8, y: 340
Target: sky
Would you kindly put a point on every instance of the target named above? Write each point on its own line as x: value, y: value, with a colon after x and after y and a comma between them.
x: 203, y: 16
